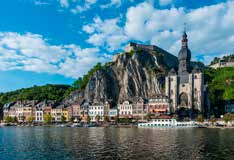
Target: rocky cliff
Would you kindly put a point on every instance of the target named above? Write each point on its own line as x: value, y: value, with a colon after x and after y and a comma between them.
x: 139, y: 72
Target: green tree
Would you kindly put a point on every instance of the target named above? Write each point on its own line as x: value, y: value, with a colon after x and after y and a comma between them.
x: 30, y: 119
x: 200, y: 119
x: 227, y: 117
x: 15, y: 120
x: 221, y: 86
x: 63, y: 119
x: 47, y: 92
x: 88, y: 119
x: 48, y: 118
x: 212, y: 120
x: 8, y: 119
x: 23, y: 118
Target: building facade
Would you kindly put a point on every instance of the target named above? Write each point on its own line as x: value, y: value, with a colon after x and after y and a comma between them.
x: 39, y: 114
x: 222, y: 64
x: 125, y: 110
x: 159, y: 105
x: 113, y: 113
x: 139, y: 109
x: 185, y: 89
x: 57, y: 113
x: 96, y: 109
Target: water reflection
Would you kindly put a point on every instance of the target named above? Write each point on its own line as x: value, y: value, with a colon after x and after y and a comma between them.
x: 115, y: 143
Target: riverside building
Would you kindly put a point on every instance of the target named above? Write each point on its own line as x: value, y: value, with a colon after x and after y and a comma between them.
x: 97, y: 109
x: 159, y: 105
x: 139, y: 109
x: 125, y: 110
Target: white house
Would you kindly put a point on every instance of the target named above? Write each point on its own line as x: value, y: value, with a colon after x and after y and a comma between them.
x: 125, y: 109
x: 96, y: 109
x: 39, y: 114
x: 57, y: 113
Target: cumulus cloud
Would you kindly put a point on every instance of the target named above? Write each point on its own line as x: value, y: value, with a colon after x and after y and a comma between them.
x: 165, y: 2
x: 106, y: 33
x: 209, y: 28
x: 31, y: 52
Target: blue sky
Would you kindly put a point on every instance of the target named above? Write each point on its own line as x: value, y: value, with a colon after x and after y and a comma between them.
x: 56, y: 41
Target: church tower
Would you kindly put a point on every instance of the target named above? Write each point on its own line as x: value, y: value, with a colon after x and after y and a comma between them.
x: 184, y: 58
x: 185, y: 87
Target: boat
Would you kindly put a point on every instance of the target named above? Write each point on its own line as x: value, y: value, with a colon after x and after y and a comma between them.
x: 168, y: 123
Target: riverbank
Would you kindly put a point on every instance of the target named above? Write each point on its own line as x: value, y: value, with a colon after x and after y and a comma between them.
x: 105, y: 125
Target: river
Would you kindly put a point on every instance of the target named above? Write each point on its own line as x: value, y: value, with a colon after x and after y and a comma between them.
x: 42, y: 143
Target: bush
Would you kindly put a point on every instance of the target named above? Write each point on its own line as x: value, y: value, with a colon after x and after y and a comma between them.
x: 48, y: 118
x: 200, y: 119
x: 8, y: 119
x: 213, y: 120
x: 227, y: 117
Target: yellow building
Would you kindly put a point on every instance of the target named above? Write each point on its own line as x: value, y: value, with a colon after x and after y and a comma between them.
x: 65, y: 114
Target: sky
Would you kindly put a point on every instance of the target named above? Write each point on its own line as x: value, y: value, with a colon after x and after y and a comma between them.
x: 57, y: 41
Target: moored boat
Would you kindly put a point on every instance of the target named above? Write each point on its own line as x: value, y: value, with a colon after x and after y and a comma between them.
x: 167, y: 123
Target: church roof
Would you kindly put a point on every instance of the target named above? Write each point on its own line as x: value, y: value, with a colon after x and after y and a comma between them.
x: 172, y: 71
x: 196, y: 69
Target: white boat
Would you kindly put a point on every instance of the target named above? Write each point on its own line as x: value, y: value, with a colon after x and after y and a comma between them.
x: 167, y: 123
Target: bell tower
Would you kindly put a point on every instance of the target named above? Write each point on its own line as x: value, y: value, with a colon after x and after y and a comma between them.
x: 184, y: 56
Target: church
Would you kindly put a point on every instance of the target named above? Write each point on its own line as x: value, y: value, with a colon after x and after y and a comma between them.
x: 185, y: 87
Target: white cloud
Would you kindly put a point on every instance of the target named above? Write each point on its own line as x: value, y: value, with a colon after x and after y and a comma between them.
x: 210, y: 28
x: 116, y: 3
x: 165, y: 2
x: 41, y: 2
x: 31, y: 52
x: 106, y: 33
x: 86, y: 6
x: 64, y: 3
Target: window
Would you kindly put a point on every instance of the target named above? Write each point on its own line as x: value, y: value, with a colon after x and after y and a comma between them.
x: 171, y: 91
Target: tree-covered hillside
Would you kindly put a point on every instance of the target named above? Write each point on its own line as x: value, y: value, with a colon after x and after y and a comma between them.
x: 47, y: 92
x: 221, y: 85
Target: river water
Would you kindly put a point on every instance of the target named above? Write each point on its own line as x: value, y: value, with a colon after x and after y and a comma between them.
x: 42, y: 143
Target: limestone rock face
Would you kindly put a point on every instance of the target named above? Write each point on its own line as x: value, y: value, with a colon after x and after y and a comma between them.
x: 135, y: 73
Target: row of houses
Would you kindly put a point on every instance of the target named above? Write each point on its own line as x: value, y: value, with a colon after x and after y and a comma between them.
x: 25, y: 110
